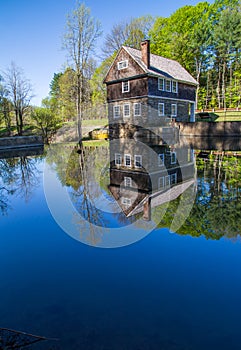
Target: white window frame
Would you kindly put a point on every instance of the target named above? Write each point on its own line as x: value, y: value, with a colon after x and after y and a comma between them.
x: 125, y: 86
x: 116, y: 115
x: 124, y: 110
x: 127, y: 181
x: 175, y: 89
x: 138, y: 164
x: 166, y: 83
x: 126, y: 201
x: 139, y: 107
x: 125, y: 158
x: 122, y: 64
x: 173, y: 178
x: 161, y: 84
x: 173, y: 105
x: 161, y: 183
x: 161, y: 159
x: 173, y: 155
x: 118, y: 159
x: 161, y: 113
x: 167, y: 181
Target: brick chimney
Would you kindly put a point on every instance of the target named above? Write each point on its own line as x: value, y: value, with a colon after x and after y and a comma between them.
x: 145, y: 52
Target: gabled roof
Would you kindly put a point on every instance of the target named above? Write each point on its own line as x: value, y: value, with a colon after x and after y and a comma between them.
x: 161, y: 66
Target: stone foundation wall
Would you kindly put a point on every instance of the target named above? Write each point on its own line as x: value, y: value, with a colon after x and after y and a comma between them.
x: 20, y: 142
x: 210, y: 129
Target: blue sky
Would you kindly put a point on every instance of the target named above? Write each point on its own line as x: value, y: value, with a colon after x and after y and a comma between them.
x: 32, y: 30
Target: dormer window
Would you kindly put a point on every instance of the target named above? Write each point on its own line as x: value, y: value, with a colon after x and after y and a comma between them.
x: 125, y: 86
x: 122, y: 64
x: 161, y: 84
x: 168, y: 85
x: 174, y: 86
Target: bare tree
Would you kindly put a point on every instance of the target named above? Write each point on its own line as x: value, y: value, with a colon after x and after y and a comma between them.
x: 129, y: 33
x: 19, y: 93
x: 79, y: 41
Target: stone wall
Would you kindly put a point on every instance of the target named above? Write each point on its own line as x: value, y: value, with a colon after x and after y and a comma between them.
x: 210, y: 129
x: 20, y: 142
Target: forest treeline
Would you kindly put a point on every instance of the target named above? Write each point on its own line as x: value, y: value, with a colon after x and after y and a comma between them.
x: 205, y: 39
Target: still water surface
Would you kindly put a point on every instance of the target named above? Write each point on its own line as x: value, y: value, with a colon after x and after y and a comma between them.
x: 168, y: 290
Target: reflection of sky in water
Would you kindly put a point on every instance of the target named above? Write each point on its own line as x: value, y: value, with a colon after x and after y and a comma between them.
x: 98, y: 213
x: 167, y: 291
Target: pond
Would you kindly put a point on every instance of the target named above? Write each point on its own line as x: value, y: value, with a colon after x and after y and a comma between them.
x: 122, y: 246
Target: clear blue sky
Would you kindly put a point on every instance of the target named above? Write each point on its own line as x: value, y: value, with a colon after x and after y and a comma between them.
x: 32, y: 30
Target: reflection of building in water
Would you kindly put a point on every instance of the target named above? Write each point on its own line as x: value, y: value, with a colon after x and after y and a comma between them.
x: 147, y: 175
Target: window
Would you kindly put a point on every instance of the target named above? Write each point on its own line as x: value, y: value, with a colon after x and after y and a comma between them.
x: 116, y: 111
x: 118, y: 159
x: 161, y: 159
x: 127, y: 181
x: 122, y: 64
x: 174, y: 86
x: 160, y: 182
x: 125, y: 86
x: 137, y: 109
x: 126, y: 201
x: 126, y: 110
x: 161, y: 109
x: 173, y: 110
x: 168, y: 85
x: 173, y: 158
x: 138, y: 161
x: 161, y: 84
x: 173, y: 179
x: 127, y: 160
x: 167, y: 181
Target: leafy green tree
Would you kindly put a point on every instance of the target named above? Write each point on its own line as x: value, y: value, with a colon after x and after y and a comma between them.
x: 46, y: 121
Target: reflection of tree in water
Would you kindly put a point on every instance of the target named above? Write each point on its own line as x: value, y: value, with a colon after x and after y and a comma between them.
x: 216, y: 212
x: 18, y: 177
x: 81, y: 175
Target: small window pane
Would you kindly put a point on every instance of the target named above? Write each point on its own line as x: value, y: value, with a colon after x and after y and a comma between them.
x: 137, y: 109
x: 161, y: 109
x: 168, y: 85
x: 118, y: 159
x: 161, y: 159
x: 138, y: 161
x: 126, y: 110
x: 127, y: 160
x: 116, y: 111
x: 125, y: 86
x: 161, y: 84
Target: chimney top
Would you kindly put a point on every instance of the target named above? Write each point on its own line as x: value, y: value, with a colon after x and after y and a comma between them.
x: 145, y: 52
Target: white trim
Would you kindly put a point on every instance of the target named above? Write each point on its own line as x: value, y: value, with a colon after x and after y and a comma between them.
x: 169, y: 98
x: 175, y: 82
x: 163, y: 84
x: 125, y: 86
x: 163, y: 109
x: 161, y: 179
x: 115, y: 116
x: 168, y: 80
x: 125, y: 156
x: 122, y: 64
x: 126, y: 201
x: 174, y: 105
x: 136, y: 115
x: 126, y: 115
x: 173, y: 177
x: 127, y: 181
x: 138, y: 166
x: 175, y: 158
x: 161, y: 159
x: 118, y: 156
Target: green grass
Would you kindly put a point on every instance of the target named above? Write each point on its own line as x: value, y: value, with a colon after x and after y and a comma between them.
x: 95, y: 122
